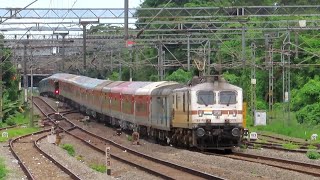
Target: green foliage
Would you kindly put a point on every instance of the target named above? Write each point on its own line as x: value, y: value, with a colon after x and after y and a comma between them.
x: 80, y: 158
x: 114, y: 76
x: 99, y: 167
x: 15, y: 132
x: 129, y: 138
x: 290, y: 146
x: 257, y: 146
x: 69, y: 148
x: 180, y: 76
x: 307, y: 95
x: 313, y: 155
x: 231, y: 78
x: 3, y: 169
x: 310, y: 114
x: 312, y: 147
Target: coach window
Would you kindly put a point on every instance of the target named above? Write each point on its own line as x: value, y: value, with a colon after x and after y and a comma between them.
x: 227, y: 97
x: 205, y: 97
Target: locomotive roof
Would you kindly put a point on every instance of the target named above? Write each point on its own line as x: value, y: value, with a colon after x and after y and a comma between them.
x: 147, y: 90
x: 166, y: 89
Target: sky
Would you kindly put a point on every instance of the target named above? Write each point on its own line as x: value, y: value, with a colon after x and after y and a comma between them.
x: 69, y: 3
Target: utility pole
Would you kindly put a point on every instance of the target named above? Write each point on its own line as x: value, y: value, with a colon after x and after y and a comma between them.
x: 253, y: 80
x: 1, y: 89
x: 126, y: 34
x: 188, y: 51
x: 63, y: 51
x: 160, y: 62
x: 84, y: 37
x: 31, y: 114
x: 25, y: 77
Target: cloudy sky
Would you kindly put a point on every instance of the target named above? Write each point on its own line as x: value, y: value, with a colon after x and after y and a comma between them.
x: 69, y: 3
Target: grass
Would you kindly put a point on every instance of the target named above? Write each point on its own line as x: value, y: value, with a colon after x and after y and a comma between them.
x: 80, y: 158
x: 257, y: 146
x: 3, y: 169
x: 99, y: 167
x: 281, y: 125
x: 312, y: 147
x: 129, y: 138
x: 69, y: 148
x: 313, y: 155
x: 15, y: 132
x: 290, y: 146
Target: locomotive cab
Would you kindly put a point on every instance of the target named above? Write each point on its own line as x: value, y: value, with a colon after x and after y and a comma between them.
x: 214, y: 113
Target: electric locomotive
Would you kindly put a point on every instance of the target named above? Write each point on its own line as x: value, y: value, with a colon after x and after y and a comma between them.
x: 206, y: 113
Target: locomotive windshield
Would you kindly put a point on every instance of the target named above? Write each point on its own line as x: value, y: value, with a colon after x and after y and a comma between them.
x: 228, y: 97
x: 206, y: 97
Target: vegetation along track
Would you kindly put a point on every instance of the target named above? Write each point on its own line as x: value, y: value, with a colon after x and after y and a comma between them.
x: 35, y: 163
x: 276, y: 146
x: 305, y: 168
x: 152, y: 165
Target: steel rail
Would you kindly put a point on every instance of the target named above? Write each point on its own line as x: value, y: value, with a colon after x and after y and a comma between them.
x: 136, y: 153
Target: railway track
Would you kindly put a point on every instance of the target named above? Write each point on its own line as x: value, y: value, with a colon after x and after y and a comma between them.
x: 277, y: 143
x: 305, y: 168
x: 35, y: 163
x: 152, y: 165
x: 302, y: 149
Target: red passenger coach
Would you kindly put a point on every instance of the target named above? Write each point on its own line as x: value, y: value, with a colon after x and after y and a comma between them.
x: 142, y: 106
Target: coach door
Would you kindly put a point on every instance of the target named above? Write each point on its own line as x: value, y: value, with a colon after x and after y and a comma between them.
x: 181, y: 114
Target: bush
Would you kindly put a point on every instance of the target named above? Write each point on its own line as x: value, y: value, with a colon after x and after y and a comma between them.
x: 11, y: 122
x: 310, y: 114
x: 129, y: 138
x: 69, y: 148
x: 313, y: 155
x: 3, y: 169
x: 99, y: 168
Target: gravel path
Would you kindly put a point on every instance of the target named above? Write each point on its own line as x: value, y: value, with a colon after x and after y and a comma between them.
x: 222, y: 166
x: 219, y: 165
x: 15, y: 172
x: 89, y: 157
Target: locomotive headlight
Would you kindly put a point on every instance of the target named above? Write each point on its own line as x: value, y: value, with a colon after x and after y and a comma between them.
x: 200, y: 132
x: 200, y: 113
x: 235, y: 132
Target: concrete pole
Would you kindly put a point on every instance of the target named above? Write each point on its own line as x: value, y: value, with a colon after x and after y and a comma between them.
x: 188, y: 54
x: 131, y: 59
x: 84, y: 37
x: 31, y: 114
x: 126, y: 19
x: 63, y: 49
x: 243, y: 44
x: 1, y: 89
x: 25, y: 77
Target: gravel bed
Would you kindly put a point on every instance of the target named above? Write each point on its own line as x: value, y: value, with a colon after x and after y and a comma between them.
x: 218, y: 165
x: 300, y: 157
x: 221, y: 166
x: 88, y: 157
x: 11, y: 163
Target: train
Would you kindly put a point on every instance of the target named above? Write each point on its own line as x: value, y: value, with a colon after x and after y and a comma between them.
x: 205, y: 113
